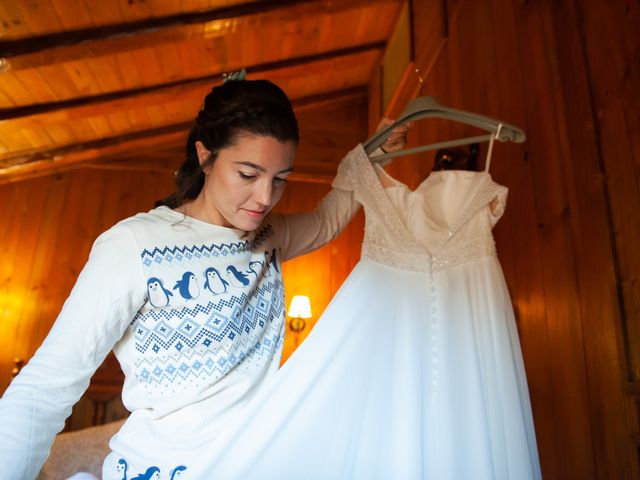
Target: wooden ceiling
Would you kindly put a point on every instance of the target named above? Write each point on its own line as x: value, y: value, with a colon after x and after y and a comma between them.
x: 91, y: 79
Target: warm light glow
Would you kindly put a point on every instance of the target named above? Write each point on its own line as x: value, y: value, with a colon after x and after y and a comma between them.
x: 18, y: 301
x: 219, y: 28
x: 300, y: 307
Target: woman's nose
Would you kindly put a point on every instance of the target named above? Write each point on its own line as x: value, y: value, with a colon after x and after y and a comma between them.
x: 264, y: 193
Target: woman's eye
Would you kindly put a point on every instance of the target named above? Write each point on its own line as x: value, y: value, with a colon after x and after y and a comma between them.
x: 279, y: 181
x: 246, y: 176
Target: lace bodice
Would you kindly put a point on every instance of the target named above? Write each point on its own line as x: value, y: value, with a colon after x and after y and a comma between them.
x: 439, y: 243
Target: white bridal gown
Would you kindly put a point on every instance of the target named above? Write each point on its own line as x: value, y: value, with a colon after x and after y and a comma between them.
x: 414, y: 370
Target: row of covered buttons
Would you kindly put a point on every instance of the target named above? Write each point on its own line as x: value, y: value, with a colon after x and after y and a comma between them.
x: 434, y: 328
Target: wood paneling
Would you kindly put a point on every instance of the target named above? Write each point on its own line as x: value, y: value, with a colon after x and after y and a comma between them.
x: 156, y: 149
x: 227, y: 43
x: 612, y: 47
x: 567, y: 73
x: 70, y: 77
x: 26, y: 19
x: 110, y: 117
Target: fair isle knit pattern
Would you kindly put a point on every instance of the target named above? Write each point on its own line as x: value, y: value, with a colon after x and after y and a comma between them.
x: 170, y: 255
x: 210, y: 308
x: 207, y: 341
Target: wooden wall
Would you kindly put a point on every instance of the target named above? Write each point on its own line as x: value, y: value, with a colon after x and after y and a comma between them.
x: 48, y: 225
x: 568, y: 73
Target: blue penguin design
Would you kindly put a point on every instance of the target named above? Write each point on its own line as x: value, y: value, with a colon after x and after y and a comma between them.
x: 237, y: 278
x: 254, y: 268
x: 274, y: 260
x: 270, y: 260
x: 177, y: 472
x: 157, y: 294
x: 152, y: 473
x: 121, y: 467
x: 214, y: 282
x: 267, y: 265
x: 188, y: 286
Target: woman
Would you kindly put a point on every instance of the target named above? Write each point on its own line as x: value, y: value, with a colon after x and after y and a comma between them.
x: 189, y: 296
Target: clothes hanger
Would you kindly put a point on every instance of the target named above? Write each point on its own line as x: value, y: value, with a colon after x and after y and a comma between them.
x: 429, y: 107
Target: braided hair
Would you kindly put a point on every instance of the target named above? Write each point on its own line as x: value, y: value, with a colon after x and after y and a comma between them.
x: 231, y: 110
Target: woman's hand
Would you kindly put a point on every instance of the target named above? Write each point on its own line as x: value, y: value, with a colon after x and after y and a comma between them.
x: 398, y: 137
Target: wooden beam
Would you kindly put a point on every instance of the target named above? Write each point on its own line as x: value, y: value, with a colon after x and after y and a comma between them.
x: 39, y: 43
x: 53, y: 154
x: 77, y: 158
x: 99, y: 41
x: 89, y: 103
x: 37, y: 163
x: 330, y: 100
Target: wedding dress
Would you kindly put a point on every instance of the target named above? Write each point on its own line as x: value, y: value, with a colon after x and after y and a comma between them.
x: 414, y: 370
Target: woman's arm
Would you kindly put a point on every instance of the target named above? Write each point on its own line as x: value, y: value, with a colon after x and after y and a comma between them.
x: 304, y: 232
x: 103, y: 302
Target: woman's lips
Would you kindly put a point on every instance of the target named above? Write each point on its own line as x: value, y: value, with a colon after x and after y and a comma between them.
x: 255, y: 213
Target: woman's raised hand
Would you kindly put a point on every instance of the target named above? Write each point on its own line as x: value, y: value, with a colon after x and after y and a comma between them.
x: 398, y: 137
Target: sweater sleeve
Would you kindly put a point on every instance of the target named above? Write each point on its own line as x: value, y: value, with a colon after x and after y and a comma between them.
x: 301, y: 233
x: 107, y: 295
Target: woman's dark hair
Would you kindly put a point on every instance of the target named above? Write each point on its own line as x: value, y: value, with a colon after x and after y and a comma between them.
x: 230, y: 110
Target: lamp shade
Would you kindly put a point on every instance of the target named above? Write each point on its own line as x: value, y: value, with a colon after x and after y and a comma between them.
x: 300, y: 307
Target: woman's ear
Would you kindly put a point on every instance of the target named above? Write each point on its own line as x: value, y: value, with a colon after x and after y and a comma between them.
x: 203, y: 155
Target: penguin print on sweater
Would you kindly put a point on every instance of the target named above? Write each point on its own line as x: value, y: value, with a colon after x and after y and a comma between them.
x: 152, y: 473
x: 156, y: 293
x: 214, y: 282
x: 255, y: 268
x: 271, y: 261
x: 121, y: 468
x: 236, y: 277
x: 177, y: 472
x: 274, y: 260
x: 188, y: 286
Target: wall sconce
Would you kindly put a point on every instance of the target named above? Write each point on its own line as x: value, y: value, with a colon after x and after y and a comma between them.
x: 299, y: 309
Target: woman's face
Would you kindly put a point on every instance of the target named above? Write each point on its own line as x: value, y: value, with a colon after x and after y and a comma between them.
x: 246, y: 180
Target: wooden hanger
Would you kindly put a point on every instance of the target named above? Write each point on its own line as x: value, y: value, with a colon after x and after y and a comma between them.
x: 428, y: 107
